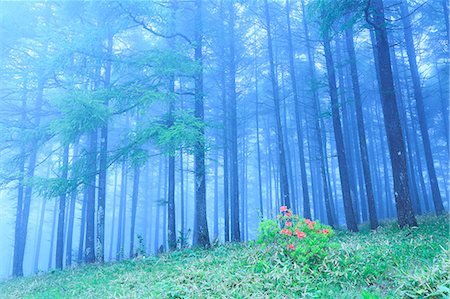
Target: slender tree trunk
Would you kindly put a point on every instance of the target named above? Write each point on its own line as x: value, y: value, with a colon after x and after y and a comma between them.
x: 319, y: 127
x: 236, y: 231
x: 411, y: 52
x: 349, y: 144
x: 80, y: 258
x: 61, y: 213
x: 225, y: 133
x: 284, y: 184
x: 396, y: 144
x: 24, y: 198
x: 171, y: 228
x: 298, y: 120
x: 158, y: 206
x: 52, y: 236
x: 202, y: 235
x: 90, y: 208
x: 122, y: 211
x: 361, y: 130
x: 165, y: 201
x: 216, y: 194
x: 182, y: 202
x: 113, y: 219
x: 103, y: 160
x: 258, y: 145
x: 342, y: 160
x: 39, y: 237
x: 71, y: 217
x: 404, y: 123
x: 134, y: 200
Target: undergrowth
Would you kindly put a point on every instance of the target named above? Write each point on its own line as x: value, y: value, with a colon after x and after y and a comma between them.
x: 387, y: 263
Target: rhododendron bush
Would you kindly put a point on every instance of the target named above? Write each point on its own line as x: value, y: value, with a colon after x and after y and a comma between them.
x: 303, y: 241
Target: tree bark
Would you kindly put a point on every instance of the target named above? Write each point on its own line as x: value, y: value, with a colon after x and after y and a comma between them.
x: 90, y: 208
x: 284, y: 184
x: 298, y: 119
x: 61, y: 212
x: 411, y: 52
x: 361, y: 130
x: 24, y: 198
x: 342, y: 160
x: 396, y: 144
x: 202, y: 235
x: 134, y: 201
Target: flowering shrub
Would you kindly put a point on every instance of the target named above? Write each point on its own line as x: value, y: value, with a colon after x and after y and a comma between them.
x: 305, y: 241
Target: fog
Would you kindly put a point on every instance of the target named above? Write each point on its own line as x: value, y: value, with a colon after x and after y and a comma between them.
x: 139, y: 127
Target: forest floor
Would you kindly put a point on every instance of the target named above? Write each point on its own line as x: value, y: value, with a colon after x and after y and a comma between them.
x: 388, y: 263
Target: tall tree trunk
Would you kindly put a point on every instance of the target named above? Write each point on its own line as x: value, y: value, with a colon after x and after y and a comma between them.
x: 411, y: 52
x: 113, y: 218
x: 258, y: 145
x: 361, y: 130
x: 216, y: 194
x: 201, y: 228
x: 24, y: 197
x: 171, y: 228
x: 225, y: 133
x: 165, y: 191
x: 284, y: 184
x: 236, y: 231
x: 122, y: 210
x: 134, y: 200
x: 342, y: 160
x: 103, y: 160
x: 52, y: 236
x: 319, y: 127
x: 71, y: 217
x: 39, y: 237
x: 396, y: 144
x: 182, y: 202
x: 81, y: 242
x: 158, y: 206
x: 349, y: 143
x: 90, y: 208
x: 298, y: 120
x: 61, y: 212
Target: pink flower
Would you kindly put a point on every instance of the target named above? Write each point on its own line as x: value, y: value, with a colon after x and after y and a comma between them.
x: 291, y: 246
x: 283, y: 208
x: 300, y: 234
x: 288, y: 214
x: 326, y: 231
x: 288, y: 224
x: 286, y: 232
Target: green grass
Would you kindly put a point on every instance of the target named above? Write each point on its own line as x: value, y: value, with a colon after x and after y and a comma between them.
x: 388, y: 263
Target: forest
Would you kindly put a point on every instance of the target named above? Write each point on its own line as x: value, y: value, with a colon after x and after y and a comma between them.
x: 147, y: 130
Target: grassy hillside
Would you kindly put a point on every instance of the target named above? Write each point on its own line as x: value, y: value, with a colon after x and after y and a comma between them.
x: 389, y: 263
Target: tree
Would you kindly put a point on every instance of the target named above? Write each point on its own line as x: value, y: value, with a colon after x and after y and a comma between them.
x: 411, y: 52
x: 298, y: 120
x: 361, y: 131
x: 284, y: 184
x: 342, y: 160
x: 396, y: 144
x: 202, y: 235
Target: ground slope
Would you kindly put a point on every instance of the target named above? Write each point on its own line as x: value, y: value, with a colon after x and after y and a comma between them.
x: 388, y: 263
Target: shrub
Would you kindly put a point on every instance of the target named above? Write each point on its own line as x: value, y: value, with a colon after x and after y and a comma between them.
x: 304, y: 241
